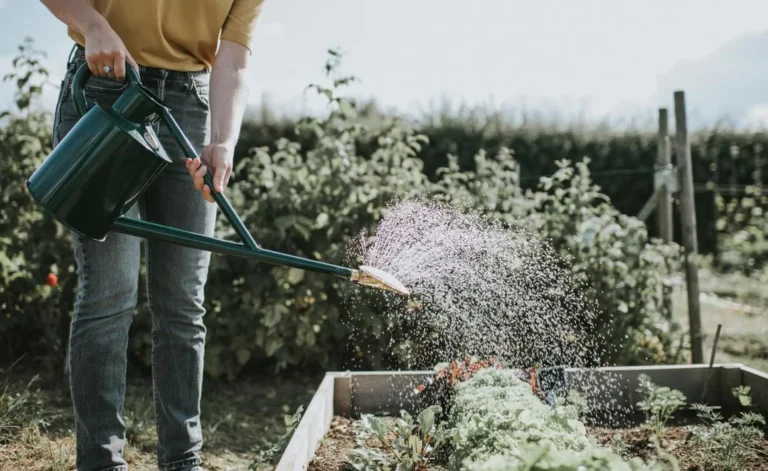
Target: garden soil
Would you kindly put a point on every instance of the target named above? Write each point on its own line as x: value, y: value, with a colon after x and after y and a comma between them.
x: 340, y: 440
x: 675, y: 440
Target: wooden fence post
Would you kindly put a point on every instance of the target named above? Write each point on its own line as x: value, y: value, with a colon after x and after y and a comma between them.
x: 664, y: 213
x: 664, y: 161
x: 688, y: 219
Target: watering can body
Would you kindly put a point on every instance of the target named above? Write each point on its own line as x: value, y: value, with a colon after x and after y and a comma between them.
x: 98, y: 171
x: 101, y: 167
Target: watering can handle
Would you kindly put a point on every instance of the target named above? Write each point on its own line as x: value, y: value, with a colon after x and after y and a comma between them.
x: 81, y: 78
x: 219, y: 198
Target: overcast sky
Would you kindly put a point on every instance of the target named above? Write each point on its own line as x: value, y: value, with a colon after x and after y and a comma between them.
x: 618, y: 58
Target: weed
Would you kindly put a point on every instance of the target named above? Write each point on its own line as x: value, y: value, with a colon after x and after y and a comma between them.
x: 265, y: 459
x: 21, y: 409
x: 140, y: 425
x: 407, y: 445
x: 728, y: 443
x: 659, y: 404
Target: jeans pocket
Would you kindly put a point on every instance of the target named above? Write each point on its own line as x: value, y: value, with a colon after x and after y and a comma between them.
x: 99, y: 84
x: 65, y: 91
x: 201, y: 85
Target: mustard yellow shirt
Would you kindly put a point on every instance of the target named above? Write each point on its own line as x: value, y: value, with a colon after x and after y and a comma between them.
x: 180, y: 35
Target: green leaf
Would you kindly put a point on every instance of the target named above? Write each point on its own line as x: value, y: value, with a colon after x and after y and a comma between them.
x: 273, y: 345
x: 243, y: 355
x: 427, y: 420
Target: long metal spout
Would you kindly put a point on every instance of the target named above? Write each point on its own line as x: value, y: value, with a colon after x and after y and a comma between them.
x: 369, y: 276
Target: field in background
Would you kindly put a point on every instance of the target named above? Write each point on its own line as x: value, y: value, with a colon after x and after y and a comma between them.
x: 740, y: 304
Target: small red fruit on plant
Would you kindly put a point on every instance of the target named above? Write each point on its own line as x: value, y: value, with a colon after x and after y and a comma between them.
x: 52, y: 280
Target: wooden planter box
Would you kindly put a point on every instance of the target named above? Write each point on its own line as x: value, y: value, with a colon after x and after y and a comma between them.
x: 387, y: 392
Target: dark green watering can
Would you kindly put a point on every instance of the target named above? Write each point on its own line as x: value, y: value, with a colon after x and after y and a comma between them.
x: 111, y: 156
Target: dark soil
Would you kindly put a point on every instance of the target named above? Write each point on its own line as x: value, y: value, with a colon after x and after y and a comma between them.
x: 675, y: 441
x: 332, y: 453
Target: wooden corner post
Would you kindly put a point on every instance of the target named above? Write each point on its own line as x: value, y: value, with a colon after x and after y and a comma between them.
x: 688, y: 223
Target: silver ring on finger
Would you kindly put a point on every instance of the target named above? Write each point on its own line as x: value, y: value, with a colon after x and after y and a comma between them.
x: 107, y: 69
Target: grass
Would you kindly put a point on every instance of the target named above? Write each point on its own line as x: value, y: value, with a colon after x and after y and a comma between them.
x: 239, y: 419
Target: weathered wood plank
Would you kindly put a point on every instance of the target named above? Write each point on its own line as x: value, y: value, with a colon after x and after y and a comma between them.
x: 758, y: 384
x: 731, y: 376
x: 311, y: 430
x: 342, y: 395
x: 614, y: 388
x: 386, y: 393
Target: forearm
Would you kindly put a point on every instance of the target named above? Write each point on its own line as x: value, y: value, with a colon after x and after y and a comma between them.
x: 77, y: 14
x: 228, y: 93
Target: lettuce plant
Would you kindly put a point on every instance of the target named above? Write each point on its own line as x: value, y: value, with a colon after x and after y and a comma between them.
x: 406, y: 445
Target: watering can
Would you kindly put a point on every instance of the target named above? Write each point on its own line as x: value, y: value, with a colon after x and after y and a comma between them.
x: 112, y: 155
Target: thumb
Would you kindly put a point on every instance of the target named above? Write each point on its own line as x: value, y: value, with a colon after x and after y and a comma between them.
x: 218, y: 178
x: 132, y: 62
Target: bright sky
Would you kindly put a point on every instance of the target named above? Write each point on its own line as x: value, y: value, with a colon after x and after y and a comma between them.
x: 598, y: 56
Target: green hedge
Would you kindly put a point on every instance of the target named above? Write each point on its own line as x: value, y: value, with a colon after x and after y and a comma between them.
x: 622, y: 164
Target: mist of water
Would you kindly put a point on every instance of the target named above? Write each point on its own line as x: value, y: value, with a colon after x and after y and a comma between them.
x: 481, y: 289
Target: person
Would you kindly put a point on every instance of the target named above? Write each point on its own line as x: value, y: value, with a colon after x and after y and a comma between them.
x: 193, y: 54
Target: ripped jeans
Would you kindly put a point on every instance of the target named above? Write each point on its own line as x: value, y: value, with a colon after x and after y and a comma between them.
x: 108, y: 274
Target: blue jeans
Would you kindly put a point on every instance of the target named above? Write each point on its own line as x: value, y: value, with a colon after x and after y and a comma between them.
x: 108, y: 274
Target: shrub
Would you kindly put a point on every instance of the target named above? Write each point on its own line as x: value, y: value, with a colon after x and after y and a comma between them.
x: 625, y: 274
x: 37, y: 278
x: 308, y: 196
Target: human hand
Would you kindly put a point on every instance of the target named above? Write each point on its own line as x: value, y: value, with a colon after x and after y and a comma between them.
x: 103, y: 47
x: 218, y: 157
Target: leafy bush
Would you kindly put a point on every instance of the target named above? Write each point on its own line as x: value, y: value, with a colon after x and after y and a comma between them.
x: 626, y: 274
x: 309, y: 196
x: 37, y: 278
x: 743, y: 225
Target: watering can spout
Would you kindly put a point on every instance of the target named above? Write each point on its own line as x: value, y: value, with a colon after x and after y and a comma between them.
x: 112, y: 155
x: 376, y: 278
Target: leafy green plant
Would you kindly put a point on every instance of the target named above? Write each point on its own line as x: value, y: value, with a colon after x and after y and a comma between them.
x: 728, y: 444
x: 37, y: 275
x: 501, y: 425
x: 659, y: 404
x: 545, y: 456
x: 495, y: 412
x: 405, y: 444
x: 265, y: 459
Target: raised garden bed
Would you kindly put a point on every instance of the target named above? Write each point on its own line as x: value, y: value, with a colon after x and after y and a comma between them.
x: 326, y: 433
